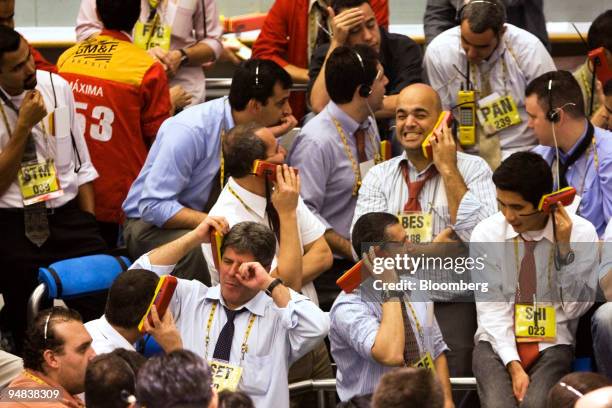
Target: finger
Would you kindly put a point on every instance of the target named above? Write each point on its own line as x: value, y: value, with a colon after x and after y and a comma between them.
x: 154, y: 316
x: 146, y: 326
x: 330, y: 13
x: 350, y: 23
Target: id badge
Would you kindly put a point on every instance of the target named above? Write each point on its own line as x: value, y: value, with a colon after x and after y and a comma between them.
x: 147, y: 36
x: 38, y: 181
x: 418, y: 226
x: 498, y: 114
x: 534, y: 323
x: 225, y: 376
x: 426, y: 362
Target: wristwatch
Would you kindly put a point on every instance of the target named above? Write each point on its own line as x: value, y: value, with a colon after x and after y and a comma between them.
x: 389, y: 294
x: 272, y: 285
x: 184, y: 57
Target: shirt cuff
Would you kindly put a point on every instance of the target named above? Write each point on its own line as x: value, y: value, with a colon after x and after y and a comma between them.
x: 290, y: 316
x: 467, y: 216
x: 508, y: 354
x: 86, y: 174
x: 160, y: 212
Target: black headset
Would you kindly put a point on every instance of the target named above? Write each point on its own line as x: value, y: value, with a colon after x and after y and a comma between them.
x: 365, y: 90
x: 465, y: 4
x: 257, y: 86
x: 553, y: 114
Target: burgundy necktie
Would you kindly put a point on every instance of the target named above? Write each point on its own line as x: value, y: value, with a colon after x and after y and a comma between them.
x: 528, y: 352
x: 360, y: 140
x: 415, y: 187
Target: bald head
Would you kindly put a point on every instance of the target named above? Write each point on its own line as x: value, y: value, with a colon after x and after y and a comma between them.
x: 600, y: 398
x: 418, y: 108
x: 7, y: 13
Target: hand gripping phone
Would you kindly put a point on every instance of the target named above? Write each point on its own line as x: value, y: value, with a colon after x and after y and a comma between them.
x: 445, y: 118
x: 351, y: 279
x: 385, y: 150
x: 565, y: 196
x: 216, y: 240
x: 161, y: 299
x: 600, y: 65
x: 263, y: 168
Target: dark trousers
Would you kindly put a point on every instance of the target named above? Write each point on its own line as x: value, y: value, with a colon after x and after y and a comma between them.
x: 73, y: 233
x: 495, y: 383
x: 325, y: 284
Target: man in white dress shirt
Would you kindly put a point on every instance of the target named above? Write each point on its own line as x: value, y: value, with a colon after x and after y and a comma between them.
x: 273, y: 325
x: 496, y: 60
x: 542, y: 274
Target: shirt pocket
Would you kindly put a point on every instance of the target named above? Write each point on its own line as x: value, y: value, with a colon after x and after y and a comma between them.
x: 181, y: 15
x: 63, y: 152
x: 256, y: 374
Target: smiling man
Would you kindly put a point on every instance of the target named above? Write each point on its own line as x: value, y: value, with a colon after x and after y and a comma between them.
x: 496, y: 60
x: 181, y: 177
x: 250, y: 326
x: 534, y: 261
x: 452, y: 190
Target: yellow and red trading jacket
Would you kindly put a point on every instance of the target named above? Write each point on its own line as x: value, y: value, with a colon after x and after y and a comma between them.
x: 122, y: 98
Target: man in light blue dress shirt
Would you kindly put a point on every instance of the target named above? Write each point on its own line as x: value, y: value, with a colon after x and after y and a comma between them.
x: 556, y: 110
x: 181, y: 177
x: 273, y: 325
x: 336, y: 148
x: 368, y: 336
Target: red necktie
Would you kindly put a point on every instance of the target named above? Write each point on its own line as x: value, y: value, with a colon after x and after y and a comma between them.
x: 360, y: 140
x: 528, y: 352
x: 415, y: 187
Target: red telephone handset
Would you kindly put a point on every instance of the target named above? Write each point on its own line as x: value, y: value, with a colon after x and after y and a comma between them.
x: 351, y: 279
x: 446, y: 117
x: 565, y: 196
x: 600, y: 63
x: 216, y: 240
x: 263, y: 168
x: 161, y: 299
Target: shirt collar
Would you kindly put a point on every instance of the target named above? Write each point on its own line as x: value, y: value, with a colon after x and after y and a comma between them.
x: 118, y: 35
x: 47, y: 380
x: 546, y: 233
x: 256, y: 202
x: 16, y: 99
x: 404, y: 156
x: 564, y: 156
x: 349, y: 124
x: 256, y: 305
x: 109, y: 332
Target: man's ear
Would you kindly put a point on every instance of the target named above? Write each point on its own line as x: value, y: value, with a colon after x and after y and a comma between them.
x: 49, y: 358
x: 254, y: 106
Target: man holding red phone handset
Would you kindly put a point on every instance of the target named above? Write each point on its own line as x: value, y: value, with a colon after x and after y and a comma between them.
x: 437, y: 197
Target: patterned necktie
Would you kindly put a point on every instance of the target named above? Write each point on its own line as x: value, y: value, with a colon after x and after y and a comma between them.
x: 411, y: 347
x: 360, y: 141
x: 528, y: 352
x: 224, y: 342
x: 415, y: 187
x: 489, y: 147
x: 35, y: 218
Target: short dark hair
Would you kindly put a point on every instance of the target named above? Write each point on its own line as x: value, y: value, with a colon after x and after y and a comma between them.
x: 129, y: 297
x: 340, y: 5
x: 370, y: 229
x: 408, y: 387
x: 241, y: 147
x: 525, y: 173
x: 253, y: 238
x: 177, y: 379
x: 120, y: 15
x: 41, y: 336
x: 236, y: 399
x: 607, y: 88
x: 561, y: 397
x: 255, y: 79
x: 564, y: 93
x: 484, y: 15
x: 9, y: 41
x: 111, y: 378
x: 600, y: 32
x: 344, y: 72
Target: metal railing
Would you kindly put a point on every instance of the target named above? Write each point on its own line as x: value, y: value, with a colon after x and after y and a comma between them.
x: 218, y: 87
x: 320, y: 387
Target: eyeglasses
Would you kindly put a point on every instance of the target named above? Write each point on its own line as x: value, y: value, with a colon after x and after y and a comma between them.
x: 571, y: 389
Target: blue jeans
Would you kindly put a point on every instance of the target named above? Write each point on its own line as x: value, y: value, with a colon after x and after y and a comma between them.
x: 601, y: 328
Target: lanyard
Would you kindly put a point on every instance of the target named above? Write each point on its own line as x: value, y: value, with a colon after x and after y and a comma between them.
x: 34, y: 378
x: 518, y: 266
x: 245, y: 205
x: 416, y: 322
x: 504, y: 72
x: 244, y: 348
x: 347, y: 150
x: 8, y: 127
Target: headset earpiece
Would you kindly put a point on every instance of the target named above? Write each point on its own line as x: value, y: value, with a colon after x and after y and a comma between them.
x: 553, y: 114
x: 364, y: 89
x: 257, y: 86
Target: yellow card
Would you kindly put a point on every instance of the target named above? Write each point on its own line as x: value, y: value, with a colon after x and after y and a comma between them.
x: 418, y: 226
x: 38, y: 182
x: 225, y: 376
x: 499, y: 114
x: 534, y: 323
